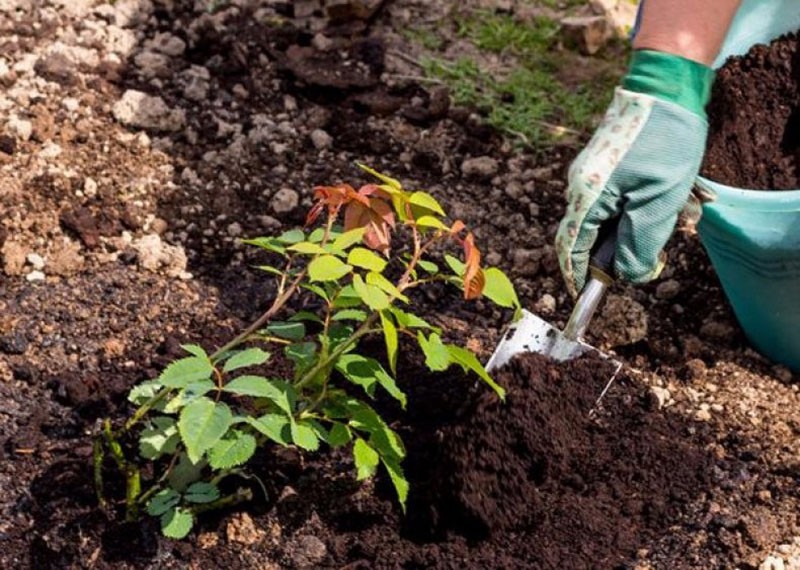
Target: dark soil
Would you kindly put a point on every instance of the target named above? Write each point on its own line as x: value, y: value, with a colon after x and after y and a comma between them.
x: 119, y: 242
x: 754, y: 119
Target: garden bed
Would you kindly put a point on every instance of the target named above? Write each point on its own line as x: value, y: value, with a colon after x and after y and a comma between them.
x: 690, y: 462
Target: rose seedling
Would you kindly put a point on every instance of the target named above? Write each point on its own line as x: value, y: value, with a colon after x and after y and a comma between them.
x: 204, y: 417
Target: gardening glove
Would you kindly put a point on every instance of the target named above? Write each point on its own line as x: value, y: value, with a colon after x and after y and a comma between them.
x: 638, y: 169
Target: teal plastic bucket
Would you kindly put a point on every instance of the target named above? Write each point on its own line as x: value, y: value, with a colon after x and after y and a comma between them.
x: 753, y: 237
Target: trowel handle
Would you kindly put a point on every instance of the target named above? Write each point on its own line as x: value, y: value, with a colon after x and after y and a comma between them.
x: 601, y: 263
x: 601, y: 271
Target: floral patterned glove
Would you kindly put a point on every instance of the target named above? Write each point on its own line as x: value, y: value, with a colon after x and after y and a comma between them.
x: 638, y: 169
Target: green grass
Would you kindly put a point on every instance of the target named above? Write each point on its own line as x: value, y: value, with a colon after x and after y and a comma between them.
x: 530, y: 103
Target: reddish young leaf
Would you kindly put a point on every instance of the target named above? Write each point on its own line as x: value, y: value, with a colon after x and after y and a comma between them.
x: 474, y: 279
x: 457, y: 227
x: 375, y: 215
x: 333, y: 197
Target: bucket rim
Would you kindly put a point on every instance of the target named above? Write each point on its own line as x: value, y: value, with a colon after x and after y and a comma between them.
x: 761, y: 200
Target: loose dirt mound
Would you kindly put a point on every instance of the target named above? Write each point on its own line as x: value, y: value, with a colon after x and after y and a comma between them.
x: 754, y: 119
x: 586, y: 489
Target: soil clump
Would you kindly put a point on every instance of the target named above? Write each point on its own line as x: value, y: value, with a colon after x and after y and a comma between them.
x: 754, y: 119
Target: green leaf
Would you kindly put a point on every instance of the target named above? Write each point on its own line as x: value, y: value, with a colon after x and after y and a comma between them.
x: 317, y: 235
x: 267, y: 243
x: 140, y: 393
x: 236, y: 448
x: 291, y: 237
x: 316, y: 289
x: 385, y: 285
x: 305, y: 316
x: 390, y: 337
x: 328, y: 268
x: 428, y: 266
x: 348, y: 239
x: 185, y: 472
x: 159, y: 439
x: 437, y: 357
x: 426, y: 201
x: 202, y: 424
x: 190, y: 393
x: 277, y: 391
x: 409, y: 320
x: 350, y: 315
x: 371, y: 295
x: 431, y: 222
x: 289, y: 331
x: 366, y: 259
x: 246, y: 358
x: 270, y: 269
x: 274, y: 426
x: 339, y: 435
x: 176, y: 523
x: 201, y: 492
x: 499, y: 288
x: 307, y: 248
x: 366, y: 459
x: 398, y: 478
x: 163, y: 501
x: 456, y: 265
x: 186, y: 370
x: 470, y: 363
x: 346, y: 298
x: 366, y: 372
x: 195, y: 350
x: 304, y: 436
x: 303, y: 354
x: 394, y: 184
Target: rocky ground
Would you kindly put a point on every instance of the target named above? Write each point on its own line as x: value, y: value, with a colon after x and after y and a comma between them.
x: 140, y: 139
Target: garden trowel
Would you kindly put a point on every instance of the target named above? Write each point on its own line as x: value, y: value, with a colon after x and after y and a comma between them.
x: 531, y: 333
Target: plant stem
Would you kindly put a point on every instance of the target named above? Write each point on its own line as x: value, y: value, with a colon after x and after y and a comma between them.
x: 97, y: 462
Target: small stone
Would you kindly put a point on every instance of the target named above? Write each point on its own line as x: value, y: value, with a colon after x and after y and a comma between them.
x: 35, y: 260
x: 546, y: 305
x: 284, y: 201
x: 765, y: 497
x: 19, y: 128
x: 113, y: 348
x: 158, y: 225
x: 241, y: 529
x: 703, y: 415
x: 154, y: 255
x: 306, y: 551
x: 514, y: 190
x: 321, y: 139
x: 196, y: 83
x: 35, y: 276
x: 137, y: 109
x: 56, y: 67
x: 662, y: 395
x: 483, y: 167
x: 206, y: 540
x: 71, y: 104
x: 587, y: 33
x: 234, y: 229
x: 168, y: 44
x: 772, y: 563
x: 668, y: 289
x: 90, y: 187
x: 152, y: 64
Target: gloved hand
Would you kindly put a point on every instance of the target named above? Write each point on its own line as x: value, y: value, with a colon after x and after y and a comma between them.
x: 638, y: 169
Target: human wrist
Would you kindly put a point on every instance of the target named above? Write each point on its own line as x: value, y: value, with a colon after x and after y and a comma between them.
x: 670, y: 77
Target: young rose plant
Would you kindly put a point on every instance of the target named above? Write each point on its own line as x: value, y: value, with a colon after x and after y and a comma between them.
x: 203, y: 418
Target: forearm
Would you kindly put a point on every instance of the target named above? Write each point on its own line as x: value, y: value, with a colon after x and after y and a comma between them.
x: 694, y: 29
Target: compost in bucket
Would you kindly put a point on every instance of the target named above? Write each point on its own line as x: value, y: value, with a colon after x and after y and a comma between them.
x: 754, y: 119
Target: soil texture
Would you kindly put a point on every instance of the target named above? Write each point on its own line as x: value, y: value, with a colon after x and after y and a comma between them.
x: 754, y: 119
x: 141, y: 139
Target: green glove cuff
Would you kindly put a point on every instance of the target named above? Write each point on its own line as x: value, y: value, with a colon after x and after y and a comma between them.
x: 670, y: 78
